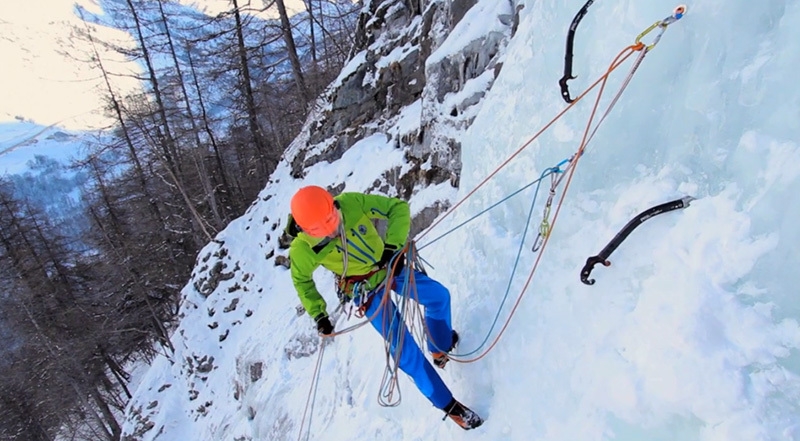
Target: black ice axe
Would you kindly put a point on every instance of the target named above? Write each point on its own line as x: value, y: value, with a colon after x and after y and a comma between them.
x: 603, y: 256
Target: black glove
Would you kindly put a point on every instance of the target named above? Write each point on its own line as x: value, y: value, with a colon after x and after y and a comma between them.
x: 324, y: 325
x: 399, y: 262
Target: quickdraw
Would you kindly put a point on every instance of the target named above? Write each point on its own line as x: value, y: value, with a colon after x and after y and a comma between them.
x: 603, y: 256
x: 544, y: 226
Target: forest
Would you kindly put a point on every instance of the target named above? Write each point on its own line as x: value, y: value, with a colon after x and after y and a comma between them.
x: 85, y: 296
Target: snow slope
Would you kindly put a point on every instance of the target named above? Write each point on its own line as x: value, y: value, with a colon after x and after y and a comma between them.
x: 691, y: 334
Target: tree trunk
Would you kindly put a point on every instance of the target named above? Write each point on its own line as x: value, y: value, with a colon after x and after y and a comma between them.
x: 310, y: 9
x: 231, y: 207
x: 116, y: 225
x: 137, y: 166
x: 118, y: 372
x: 167, y: 142
x: 161, y: 335
x: 265, y: 160
x: 108, y: 415
x: 291, y: 49
x: 200, y: 165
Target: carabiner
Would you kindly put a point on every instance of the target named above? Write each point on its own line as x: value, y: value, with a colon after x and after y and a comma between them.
x: 544, y: 228
x: 679, y: 11
x: 677, y: 14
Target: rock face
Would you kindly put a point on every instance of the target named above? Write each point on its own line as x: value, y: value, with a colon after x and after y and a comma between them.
x: 403, y: 57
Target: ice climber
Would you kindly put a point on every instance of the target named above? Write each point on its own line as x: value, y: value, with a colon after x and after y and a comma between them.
x: 338, y: 233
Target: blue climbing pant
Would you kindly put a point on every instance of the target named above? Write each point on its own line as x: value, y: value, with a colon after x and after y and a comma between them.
x: 436, y: 300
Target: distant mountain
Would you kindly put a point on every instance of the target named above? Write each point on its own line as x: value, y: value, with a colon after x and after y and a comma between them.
x: 37, y: 160
x: 22, y: 141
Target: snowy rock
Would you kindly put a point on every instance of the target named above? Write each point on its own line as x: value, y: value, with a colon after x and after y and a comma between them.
x: 405, y: 59
x: 282, y: 261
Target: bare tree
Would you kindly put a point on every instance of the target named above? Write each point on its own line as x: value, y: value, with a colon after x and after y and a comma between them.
x: 297, y: 69
x: 167, y: 142
x: 267, y: 161
x: 51, y: 314
x: 195, y: 132
x: 221, y: 98
x: 219, y: 172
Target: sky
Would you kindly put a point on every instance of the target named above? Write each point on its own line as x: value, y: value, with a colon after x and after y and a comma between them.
x: 38, y: 83
x: 692, y: 333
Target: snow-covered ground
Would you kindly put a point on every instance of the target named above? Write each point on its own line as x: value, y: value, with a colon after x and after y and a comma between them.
x: 691, y: 334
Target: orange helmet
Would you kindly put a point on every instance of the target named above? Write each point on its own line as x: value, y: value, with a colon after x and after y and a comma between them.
x: 314, y: 211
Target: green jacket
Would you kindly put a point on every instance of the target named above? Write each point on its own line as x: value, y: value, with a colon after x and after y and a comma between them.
x: 364, y: 245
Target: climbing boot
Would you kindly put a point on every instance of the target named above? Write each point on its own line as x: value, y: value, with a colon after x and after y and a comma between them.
x: 462, y: 415
x: 440, y: 359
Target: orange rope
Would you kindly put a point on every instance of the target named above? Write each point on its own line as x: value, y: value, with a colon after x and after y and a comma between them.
x: 602, y: 81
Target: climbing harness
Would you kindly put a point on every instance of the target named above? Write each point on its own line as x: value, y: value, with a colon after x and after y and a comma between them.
x: 354, y: 290
x: 604, y: 254
x: 568, y: 55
